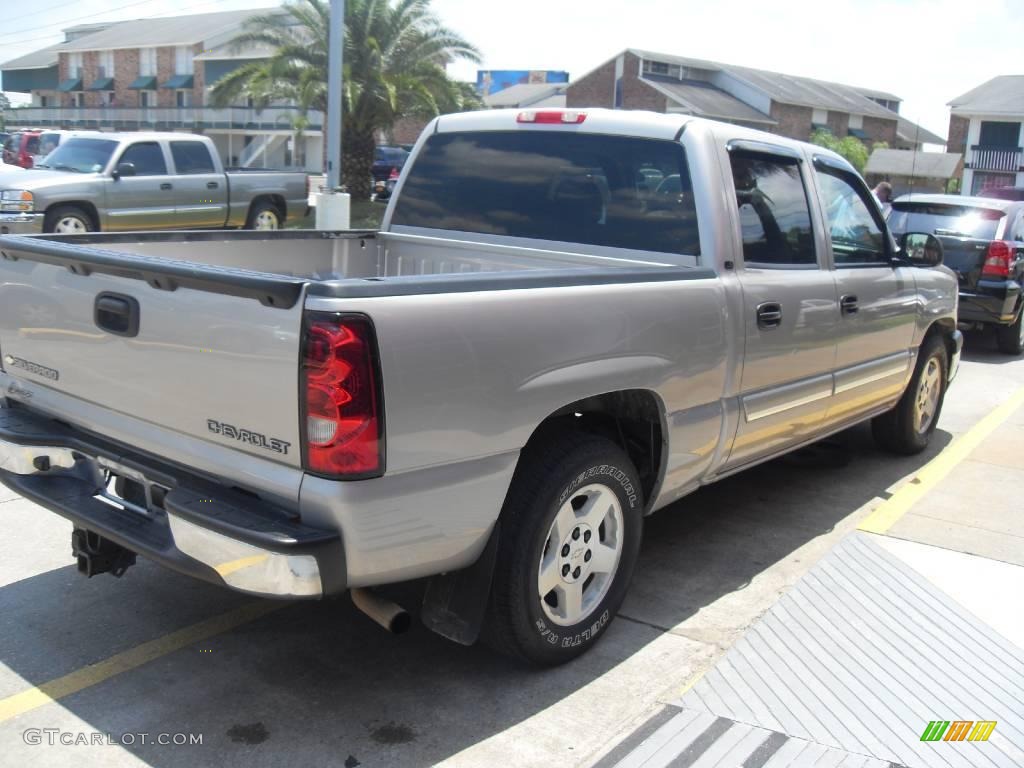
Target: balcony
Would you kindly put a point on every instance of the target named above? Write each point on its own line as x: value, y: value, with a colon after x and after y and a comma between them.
x: 988, y: 158
x: 161, y: 118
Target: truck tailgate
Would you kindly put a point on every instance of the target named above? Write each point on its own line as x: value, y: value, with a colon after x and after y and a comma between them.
x: 214, y: 356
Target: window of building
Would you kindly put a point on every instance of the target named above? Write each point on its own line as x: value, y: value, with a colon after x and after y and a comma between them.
x: 656, y: 67
x: 78, y: 99
x: 775, y: 218
x: 105, y: 65
x: 819, y: 116
x: 75, y: 65
x: 147, y: 157
x: 44, y: 101
x: 145, y: 99
x: 999, y: 134
x: 856, y: 121
x: 147, y: 62
x: 183, y: 98
x: 183, y: 60
x: 856, y: 235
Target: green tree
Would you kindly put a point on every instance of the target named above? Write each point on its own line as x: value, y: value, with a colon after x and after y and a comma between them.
x: 5, y: 104
x: 851, y: 147
x: 394, y: 66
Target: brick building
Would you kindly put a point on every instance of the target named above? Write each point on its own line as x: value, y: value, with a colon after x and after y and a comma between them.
x: 153, y: 74
x: 783, y: 104
x: 986, y: 125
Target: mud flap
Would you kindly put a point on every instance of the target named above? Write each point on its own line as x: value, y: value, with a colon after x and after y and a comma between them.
x: 455, y: 603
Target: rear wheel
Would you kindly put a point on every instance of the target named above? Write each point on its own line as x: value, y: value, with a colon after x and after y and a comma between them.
x: 1010, y: 338
x: 264, y: 216
x: 68, y: 220
x: 908, y: 427
x: 570, y: 536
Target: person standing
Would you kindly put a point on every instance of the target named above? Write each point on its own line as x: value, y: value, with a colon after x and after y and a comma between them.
x: 883, y: 196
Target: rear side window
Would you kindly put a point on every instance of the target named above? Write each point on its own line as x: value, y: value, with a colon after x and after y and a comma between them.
x: 612, y: 191
x: 775, y: 218
x: 944, y: 219
x: 191, y: 157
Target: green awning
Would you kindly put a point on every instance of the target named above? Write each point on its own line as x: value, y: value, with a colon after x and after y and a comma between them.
x: 103, y: 84
x: 179, y: 82
x: 857, y: 133
x: 143, y: 83
x: 73, y: 84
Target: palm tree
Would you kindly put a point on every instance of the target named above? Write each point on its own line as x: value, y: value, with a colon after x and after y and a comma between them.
x: 394, y: 66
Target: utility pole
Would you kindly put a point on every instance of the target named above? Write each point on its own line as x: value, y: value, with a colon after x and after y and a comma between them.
x: 333, y: 207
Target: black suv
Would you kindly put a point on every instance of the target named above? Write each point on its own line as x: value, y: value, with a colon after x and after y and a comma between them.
x: 983, y: 242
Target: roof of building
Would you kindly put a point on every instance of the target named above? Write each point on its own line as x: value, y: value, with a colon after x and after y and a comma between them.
x: 706, y: 100
x: 41, y: 59
x: 786, y: 89
x: 229, y: 51
x: 172, y: 30
x: 1000, y: 95
x: 524, y: 94
x: 872, y: 93
x: 913, y: 133
x: 906, y: 162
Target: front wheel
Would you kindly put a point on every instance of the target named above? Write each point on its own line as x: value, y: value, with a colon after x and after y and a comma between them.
x: 67, y: 220
x: 1010, y: 338
x: 908, y: 427
x: 570, y: 536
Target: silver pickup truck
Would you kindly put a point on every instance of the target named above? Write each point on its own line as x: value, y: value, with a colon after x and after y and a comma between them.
x: 116, y: 182
x: 568, y: 321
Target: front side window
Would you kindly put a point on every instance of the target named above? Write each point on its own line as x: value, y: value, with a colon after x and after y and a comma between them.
x: 586, y: 189
x: 147, y: 157
x: 856, y: 237
x: 775, y: 218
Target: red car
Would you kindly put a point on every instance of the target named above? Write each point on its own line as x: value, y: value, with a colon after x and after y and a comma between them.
x: 20, y: 148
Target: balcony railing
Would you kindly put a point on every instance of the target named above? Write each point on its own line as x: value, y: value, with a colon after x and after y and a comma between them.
x: 158, y: 118
x: 984, y: 158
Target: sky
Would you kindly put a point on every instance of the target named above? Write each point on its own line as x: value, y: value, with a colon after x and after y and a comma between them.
x: 925, y: 51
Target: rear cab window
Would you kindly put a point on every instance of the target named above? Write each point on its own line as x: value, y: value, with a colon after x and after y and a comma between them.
x: 944, y: 219
x: 587, y: 189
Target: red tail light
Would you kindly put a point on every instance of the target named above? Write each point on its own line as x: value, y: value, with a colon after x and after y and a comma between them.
x: 394, y: 175
x: 550, y: 117
x: 344, y: 425
x: 998, y: 259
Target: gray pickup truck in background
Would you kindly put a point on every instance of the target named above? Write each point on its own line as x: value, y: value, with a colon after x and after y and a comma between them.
x: 113, y: 182
x: 568, y: 321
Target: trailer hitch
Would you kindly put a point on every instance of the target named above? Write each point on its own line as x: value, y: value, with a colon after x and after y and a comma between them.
x: 97, y: 555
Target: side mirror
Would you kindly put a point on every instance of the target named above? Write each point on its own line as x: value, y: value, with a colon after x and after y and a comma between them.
x: 921, y: 249
x: 124, y: 169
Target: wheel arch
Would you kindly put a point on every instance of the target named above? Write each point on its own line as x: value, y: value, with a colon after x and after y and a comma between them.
x: 275, y: 200
x: 85, y: 206
x: 943, y: 327
x: 634, y: 419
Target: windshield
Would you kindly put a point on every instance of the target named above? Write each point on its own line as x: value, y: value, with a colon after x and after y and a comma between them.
x: 80, y: 155
x: 944, y: 219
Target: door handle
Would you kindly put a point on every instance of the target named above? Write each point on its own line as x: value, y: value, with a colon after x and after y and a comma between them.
x: 848, y: 304
x: 117, y: 314
x: 166, y: 185
x: 212, y: 185
x: 769, y: 315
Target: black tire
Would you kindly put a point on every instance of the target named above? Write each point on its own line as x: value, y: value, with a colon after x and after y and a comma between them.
x: 56, y: 216
x: 897, y: 430
x: 263, y: 207
x: 1010, y: 338
x: 550, y: 471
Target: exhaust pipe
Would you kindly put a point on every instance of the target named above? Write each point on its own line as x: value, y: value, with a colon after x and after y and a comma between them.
x: 393, y: 617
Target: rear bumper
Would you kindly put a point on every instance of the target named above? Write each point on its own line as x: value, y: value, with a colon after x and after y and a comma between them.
x: 21, y: 223
x: 992, y: 301
x: 188, y: 524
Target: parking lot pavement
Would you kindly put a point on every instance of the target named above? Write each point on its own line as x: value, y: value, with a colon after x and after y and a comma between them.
x: 317, y: 683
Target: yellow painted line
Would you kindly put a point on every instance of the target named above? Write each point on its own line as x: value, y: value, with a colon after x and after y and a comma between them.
x: 237, y: 565
x: 86, y: 677
x: 893, y: 508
